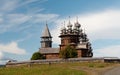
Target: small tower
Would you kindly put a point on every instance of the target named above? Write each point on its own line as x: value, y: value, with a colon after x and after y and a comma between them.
x: 46, y: 38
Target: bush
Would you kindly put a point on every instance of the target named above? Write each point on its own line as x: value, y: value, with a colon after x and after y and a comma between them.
x: 37, y: 56
x: 68, y: 52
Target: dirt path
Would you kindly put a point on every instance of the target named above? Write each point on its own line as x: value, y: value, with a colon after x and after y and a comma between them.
x: 86, y: 69
x: 114, y: 71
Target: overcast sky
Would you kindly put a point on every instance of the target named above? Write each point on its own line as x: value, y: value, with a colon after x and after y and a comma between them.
x: 22, y: 23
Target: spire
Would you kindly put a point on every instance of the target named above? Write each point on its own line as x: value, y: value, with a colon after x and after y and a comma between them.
x: 69, y: 19
x: 46, y: 32
x: 77, y: 23
x: 63, y: 26
x: 64, y: 23
x: 63, y: 30
x: 69, y: 24
x: 77, y: 19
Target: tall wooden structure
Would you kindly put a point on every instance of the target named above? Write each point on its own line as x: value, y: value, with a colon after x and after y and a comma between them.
x: 46, y: 38
x: 46, y: 45
x: 76, y: 38
x: 72, y: 35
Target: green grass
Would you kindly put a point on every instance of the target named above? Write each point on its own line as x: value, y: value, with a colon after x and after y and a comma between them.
x: 53, y: 69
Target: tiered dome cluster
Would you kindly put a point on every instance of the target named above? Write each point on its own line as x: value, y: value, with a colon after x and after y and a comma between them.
x: 70, y: 29
x: 76, y: 30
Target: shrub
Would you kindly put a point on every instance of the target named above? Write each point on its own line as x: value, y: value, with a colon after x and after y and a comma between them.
x: 68, y: 52
x: 37, y: 56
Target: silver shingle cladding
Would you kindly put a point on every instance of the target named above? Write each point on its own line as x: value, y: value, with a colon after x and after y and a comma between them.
x: 46, y: 32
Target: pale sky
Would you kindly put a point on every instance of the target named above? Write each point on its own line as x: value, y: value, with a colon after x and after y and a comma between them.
x: 22, y: 23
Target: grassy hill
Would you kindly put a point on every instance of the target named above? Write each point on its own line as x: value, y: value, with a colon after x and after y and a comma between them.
x: 83, y: 68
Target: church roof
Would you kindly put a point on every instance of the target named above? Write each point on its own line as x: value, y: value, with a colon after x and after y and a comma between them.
x: 49, y: 50
x: 46, y: 32
x: 82, y: 46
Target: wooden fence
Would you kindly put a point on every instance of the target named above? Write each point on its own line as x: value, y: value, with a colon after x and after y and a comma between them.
x: 51, y: 61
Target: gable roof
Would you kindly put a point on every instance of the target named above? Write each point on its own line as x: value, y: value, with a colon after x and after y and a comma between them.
x: 49, y: 50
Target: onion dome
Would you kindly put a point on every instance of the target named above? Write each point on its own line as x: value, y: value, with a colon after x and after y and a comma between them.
x: 75, y: 30
x: 77, y: 25
x: 87, y: 39
x: 81, y: 40
x: 81, y: 30
x: 84, y: 35
x: 89, y: 44
x: 69, y: 25
x: 63, y: 30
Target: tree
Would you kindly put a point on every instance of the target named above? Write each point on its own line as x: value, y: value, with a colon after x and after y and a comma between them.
x: 68, y: 52
x: 37, y: 56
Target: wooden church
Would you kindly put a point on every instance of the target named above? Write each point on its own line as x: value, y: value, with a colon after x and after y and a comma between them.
x: 72, y: 35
